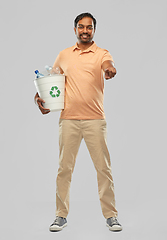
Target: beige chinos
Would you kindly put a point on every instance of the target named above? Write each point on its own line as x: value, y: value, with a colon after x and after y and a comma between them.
x: 71, y: 132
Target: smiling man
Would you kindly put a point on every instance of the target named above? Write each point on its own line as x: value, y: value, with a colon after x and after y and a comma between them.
x: 84, y: 66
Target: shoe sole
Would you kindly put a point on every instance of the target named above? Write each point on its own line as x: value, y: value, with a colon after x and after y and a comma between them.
x: 115, y: 228
x: 57, y: 228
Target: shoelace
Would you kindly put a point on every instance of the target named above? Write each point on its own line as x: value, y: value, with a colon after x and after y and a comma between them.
x: 56, y: 220
x: 114, y: 220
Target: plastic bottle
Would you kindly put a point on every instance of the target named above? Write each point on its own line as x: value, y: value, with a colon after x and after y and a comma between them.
x: 48, y: 68
x: 51, y: 70
x: 38, y: 74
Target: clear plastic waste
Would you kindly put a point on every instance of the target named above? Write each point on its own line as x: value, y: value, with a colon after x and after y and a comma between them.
x: 52, y: 71
x: 49, y: 71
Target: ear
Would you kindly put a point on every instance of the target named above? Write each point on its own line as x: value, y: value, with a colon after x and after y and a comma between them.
x: 75, y: 30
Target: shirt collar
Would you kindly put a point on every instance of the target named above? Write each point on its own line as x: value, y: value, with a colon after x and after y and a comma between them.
x: 92, y: 48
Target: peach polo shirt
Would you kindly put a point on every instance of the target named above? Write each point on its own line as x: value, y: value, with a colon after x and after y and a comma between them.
x: 84, y: 85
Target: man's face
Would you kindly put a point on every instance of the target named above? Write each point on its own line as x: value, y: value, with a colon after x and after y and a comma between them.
x: 85, y: 30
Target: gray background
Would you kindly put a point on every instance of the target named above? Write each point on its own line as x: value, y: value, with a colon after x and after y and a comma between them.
x: 32, y: 34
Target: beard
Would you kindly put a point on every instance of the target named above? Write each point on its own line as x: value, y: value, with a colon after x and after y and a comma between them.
x: 86, y: 39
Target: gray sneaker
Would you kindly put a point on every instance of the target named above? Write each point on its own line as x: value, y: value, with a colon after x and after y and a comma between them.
x: 58, y: 224
x: 113, y: 224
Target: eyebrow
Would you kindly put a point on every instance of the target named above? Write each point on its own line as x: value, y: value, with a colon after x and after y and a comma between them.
x: 86, y: 25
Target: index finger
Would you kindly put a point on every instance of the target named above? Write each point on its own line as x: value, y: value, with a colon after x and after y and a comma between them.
x: 42, y: 107
x: 39, y: 102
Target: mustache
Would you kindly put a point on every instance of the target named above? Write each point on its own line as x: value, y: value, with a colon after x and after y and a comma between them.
x: 84, y: 34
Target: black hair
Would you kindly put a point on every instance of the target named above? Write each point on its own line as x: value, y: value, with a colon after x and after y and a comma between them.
x: 82, y: 15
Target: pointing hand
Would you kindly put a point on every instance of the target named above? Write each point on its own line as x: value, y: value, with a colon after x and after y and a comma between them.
x: 110, y: 72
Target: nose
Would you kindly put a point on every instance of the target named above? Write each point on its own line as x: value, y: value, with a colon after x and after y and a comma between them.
x: 85, y: 30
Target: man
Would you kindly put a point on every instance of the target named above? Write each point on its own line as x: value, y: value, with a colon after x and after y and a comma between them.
x: 83, y: 117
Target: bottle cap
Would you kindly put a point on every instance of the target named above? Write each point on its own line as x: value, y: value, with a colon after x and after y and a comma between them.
x: 36, y: 71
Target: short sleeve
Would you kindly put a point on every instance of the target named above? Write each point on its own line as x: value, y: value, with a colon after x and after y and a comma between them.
x: 107, y: 56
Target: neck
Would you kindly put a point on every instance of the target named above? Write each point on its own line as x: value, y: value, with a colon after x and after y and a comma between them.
x: 84, y: 46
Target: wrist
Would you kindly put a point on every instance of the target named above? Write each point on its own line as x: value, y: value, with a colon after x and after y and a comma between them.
x: 35, y: 100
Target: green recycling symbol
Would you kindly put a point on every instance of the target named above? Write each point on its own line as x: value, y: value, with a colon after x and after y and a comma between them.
x: 55, y: 92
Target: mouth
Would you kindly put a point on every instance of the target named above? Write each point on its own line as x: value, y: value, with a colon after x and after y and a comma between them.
x: 84, y: 36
